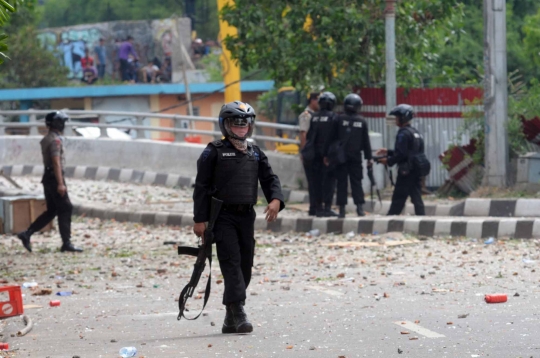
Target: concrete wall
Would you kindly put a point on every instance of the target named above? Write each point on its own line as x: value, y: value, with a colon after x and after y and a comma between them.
x: 157, y: 38
x: 147, y: 155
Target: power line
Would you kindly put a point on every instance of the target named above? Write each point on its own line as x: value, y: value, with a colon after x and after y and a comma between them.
x: 208, y: 94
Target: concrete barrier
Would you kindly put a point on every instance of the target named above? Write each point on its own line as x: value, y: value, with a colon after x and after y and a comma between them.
x: 148, y: 156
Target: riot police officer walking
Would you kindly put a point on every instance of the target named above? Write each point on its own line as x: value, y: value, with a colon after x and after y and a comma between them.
x: 229, y: 170
x: 350, y: 137
x: 412, y: 163
x: 54, y: 186
x: 324, y: 180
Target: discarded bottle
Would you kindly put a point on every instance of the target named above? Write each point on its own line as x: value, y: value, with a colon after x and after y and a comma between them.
x: 128, y: 352
x: 496, y: 298
x: 29, y: 284
x: 4, y: 346
x: 54, y: 303
x: 64, y: 293
x: 351, y: 234
x: 489, y: 241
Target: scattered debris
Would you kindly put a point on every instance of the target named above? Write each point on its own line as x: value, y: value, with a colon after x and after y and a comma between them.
x: 29, y: 325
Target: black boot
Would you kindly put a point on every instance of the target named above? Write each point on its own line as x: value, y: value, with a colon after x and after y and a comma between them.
x: 228, y: 324
x: 342, y: 212
x: 240, y: 318
x: 328, y: 212
x: 360, y: 210
x: 25, y: 238
x: 68, y: 247
x: 319, y: 212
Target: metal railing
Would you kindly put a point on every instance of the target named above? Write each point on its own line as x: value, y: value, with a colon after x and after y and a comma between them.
x: 139, y: 128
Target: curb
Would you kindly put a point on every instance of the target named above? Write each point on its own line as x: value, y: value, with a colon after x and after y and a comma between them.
x: 124, y: 175
x: 474, y: 227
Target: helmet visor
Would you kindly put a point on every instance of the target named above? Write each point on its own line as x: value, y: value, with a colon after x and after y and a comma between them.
x: 240, y: 121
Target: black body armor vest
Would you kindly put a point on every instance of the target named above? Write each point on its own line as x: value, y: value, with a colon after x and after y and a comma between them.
x: 236, y: 175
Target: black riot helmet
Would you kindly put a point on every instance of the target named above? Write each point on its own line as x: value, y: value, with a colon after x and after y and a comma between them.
x: 327, y: 101
x: 237, y: 114
x: 404, y: 113
x: 56, y: 120
x: 352, y: 103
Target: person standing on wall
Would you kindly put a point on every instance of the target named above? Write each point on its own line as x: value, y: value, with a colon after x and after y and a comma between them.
x: 54, y: 186
x: 126, y: 49
x: 101, y: 58
x: 350, y: 137
x: 411, y: 161
x: 304, y: 121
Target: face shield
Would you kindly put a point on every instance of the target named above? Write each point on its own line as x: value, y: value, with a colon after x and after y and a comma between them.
x: 239, y: 127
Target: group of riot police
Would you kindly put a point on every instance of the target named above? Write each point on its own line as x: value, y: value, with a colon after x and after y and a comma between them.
x: 334, y: 145
x: 229, y: 171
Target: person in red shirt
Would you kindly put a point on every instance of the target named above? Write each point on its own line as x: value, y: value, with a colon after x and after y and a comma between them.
x: 87, y: 60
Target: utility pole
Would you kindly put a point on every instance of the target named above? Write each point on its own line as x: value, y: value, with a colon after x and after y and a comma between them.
x: 495, y: 94
x: 390, y: 40
x: 186, y: 81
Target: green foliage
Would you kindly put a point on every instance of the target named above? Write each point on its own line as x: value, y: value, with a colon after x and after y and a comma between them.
x: 437, y: 42
x: 522, y: 104
x: 7, y: 8
x: 58, y: 13
x: 212, y: 64
x: 29, y: 64
x: 345, y: 44
x: 267, y: 104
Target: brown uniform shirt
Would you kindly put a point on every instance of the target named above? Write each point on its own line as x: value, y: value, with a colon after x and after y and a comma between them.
x: 52, y: 146
x: 304, y: 120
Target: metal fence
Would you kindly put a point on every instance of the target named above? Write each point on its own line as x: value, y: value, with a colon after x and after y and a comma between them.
x: 439, y: 134
x: 439, y: 118
x: 80, y: 118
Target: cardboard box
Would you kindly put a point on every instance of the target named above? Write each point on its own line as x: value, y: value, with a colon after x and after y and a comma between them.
x: 18, y: 212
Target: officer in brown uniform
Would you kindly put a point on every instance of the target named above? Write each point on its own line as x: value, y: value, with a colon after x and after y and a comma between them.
x: 304, y: 120
x: 54, y: 186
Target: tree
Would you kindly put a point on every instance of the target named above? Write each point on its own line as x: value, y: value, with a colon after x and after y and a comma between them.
x: 57, y: 13
x: 29, y: 64
x: 7, y: 7
x: 344, y: 44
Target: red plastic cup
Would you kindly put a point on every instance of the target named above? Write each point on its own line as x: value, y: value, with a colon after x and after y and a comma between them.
x: 496, y: 298
x: 54, y: 303
x: 4, y: 346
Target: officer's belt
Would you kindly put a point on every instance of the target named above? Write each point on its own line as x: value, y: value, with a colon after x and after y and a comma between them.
x: 237, y: 208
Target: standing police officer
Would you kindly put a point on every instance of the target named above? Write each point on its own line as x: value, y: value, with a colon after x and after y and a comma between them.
x: 411, y: 160
x: 349, y: 139
x: 230, y: 169
x: 54, y: 186
x: 320, y: 130
x: 304, y: 121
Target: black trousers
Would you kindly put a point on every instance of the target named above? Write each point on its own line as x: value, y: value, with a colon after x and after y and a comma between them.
x: 408, y: 185
x: 125, y: 70
x: 308, y: 169
x: 56, y: 206
x: 352, y: 170
x: 235, y: 244
x: 325, y: 183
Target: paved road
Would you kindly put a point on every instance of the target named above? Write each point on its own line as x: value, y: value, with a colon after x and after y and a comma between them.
x: 306, y: 299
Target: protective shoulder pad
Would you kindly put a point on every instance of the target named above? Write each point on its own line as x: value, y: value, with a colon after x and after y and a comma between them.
x: 217, y: 143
